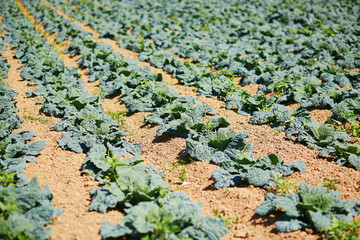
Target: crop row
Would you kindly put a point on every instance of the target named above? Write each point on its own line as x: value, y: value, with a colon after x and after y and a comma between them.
x: 142, y: 91
x: 294, y: 79
x: 25, y: 209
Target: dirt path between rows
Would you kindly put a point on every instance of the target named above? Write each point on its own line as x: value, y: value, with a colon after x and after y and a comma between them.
x: 56, y: 167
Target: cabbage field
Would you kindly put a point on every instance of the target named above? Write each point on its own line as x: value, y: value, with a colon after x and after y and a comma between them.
x: 179, y: 119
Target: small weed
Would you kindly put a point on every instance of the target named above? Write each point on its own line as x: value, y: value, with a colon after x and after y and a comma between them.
x: 68, y: 181
x: 227, y: 73
x: 311, y: 147
x: 330, y: 184
x: 114, y: 161
x: 182, y: 175
x: 282, y: 186
x: 37, y: 119
x: 61, y: 45
x: 6, y: 178
x: 208, y: 127
x: 176, y: 172
x: 120, y: 118
x: 358, y: 185
x: 171, y: 168
x: 180, y: 188
x: 186, y: 160
x: 343, y: 230
x: 165, y: 168
x: 99, y: 92
x: 350, y: 125
x: 229, y: 221
x: 54, y: 45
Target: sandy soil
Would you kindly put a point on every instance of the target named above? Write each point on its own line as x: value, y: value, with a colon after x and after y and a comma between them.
x: 61, y: 169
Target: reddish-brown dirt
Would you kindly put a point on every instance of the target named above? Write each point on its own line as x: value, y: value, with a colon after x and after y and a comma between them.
x: 61, y: 169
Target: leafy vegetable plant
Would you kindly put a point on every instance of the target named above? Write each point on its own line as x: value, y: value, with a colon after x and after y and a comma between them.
x: 312, y: 207
x: 180, y: 117
x: 343, y: 230
x: 232, y: 152
x: 25, y: 211
x: 127, y: 182
x: 174, y: 217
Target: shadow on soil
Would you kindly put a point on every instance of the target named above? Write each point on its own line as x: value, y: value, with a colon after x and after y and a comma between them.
x: 266, y: 221
x: 149, y: 125
x: 269, y: 221
x: 163, y: 138
x: 212, y: 188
